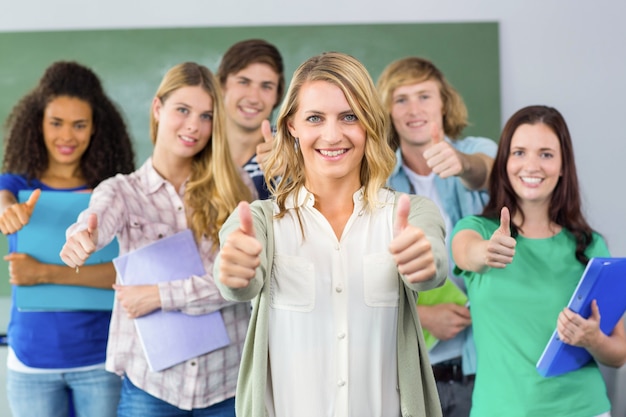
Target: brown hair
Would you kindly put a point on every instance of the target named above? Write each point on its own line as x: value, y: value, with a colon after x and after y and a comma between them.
x: 565, y: 203
x: 252, y: 51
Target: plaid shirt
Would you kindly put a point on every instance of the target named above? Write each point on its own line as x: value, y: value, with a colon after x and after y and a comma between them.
x: 140, y: 208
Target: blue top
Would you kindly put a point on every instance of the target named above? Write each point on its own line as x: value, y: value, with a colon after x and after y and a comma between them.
x: 458, y: 202
x: 53, y: 340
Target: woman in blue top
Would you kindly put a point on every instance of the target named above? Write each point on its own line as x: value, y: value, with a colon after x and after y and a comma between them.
x: 64, y: 135
x: 521, y: 261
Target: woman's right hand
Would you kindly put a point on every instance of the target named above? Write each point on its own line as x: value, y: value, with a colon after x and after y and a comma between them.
x: 17, y: 215
x: 80, y: 245
x: 239, y: 256
x: 501, y: 246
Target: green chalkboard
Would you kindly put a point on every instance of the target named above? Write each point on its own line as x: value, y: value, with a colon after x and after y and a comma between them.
x: 131, y: 63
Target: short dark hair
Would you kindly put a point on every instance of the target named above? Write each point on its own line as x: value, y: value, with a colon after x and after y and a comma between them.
x: 252, y: 51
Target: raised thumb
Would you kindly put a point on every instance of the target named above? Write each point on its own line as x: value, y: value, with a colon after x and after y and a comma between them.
x: 505, y: 221
x: 266, y: 131
x: 402, y: 214
x: 32, y: 199
x: 245, y: 218
x: 436, y: 134
x: 92, y: 223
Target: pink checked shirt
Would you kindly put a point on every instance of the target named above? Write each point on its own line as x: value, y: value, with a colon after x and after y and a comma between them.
x: 140, y: 208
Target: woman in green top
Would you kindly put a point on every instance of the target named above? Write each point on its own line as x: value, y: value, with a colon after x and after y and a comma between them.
x: 521, y: 261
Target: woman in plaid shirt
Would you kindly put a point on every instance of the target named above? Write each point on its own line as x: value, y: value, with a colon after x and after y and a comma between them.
x: 189, y: 182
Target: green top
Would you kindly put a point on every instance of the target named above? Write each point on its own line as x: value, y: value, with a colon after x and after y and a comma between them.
x: 514, y: 313
x: 418, y: 391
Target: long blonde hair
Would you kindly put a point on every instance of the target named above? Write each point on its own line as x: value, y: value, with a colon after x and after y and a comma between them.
x: 347, y: 73
x: 215, y: 186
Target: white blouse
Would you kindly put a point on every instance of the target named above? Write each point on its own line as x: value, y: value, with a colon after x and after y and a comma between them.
x: 333, y: 314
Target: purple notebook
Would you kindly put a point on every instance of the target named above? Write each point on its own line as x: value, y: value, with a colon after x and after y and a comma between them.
x: 169, y: 338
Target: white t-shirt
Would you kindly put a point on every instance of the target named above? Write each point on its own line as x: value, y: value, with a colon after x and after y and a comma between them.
x: 424, y: 185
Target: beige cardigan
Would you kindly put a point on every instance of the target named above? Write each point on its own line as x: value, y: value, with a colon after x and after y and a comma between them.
x: 418, y: 391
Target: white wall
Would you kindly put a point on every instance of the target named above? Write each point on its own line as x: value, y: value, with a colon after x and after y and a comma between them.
x: 565, y: 53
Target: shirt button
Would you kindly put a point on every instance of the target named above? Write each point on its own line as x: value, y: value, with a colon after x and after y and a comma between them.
x: 180, y: 208
x: 338, y: 288
x: 341, y: 336
x: 341, y: 383
x: 337, y: 247
x: 160, y: 235
x: 193, y: 363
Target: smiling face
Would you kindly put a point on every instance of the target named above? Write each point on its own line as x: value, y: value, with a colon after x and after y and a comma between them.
x: 415, y: 108
x: 534, y: 165
x: 250, y: 96
x: 331, y: 138
x: 185, y: 122
x: 67, y: 128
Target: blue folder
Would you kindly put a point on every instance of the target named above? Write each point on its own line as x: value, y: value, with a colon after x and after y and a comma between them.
x: 603, y: 280
x: 43, y: 238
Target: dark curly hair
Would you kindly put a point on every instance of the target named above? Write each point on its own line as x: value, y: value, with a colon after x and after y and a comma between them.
x: 110, y: 149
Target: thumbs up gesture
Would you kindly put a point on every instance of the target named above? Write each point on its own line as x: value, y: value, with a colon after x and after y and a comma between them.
x: 441, y: 157
x: 81, y: 244
x: 410, y: 248
x: 501, y: 246
x: 239, y: 256
x: 18, y: 215
x: 264, y: 148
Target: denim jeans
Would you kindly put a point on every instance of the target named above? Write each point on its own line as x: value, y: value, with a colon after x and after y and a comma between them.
x: 455, y: 398
x: 93, y: 393
x: 135, y: 402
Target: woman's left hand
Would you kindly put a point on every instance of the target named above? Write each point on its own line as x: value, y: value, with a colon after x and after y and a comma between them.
x: 410, y: 248
x: 138, y: 300
x: 25, y: 270
x: 574, y: 330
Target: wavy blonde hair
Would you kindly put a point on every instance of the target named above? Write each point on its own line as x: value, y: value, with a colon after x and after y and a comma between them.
x: 215, y: 186
x: 347, y: 73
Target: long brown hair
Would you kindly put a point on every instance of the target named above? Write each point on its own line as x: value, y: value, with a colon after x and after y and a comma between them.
x: 565, y: 203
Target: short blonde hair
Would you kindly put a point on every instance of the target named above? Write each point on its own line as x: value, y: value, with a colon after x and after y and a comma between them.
x: 352, y: 78
x: 413, y: 70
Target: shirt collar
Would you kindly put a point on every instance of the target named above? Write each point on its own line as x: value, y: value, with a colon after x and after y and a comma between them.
x: 305, y: 198
x: 398, y: 166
